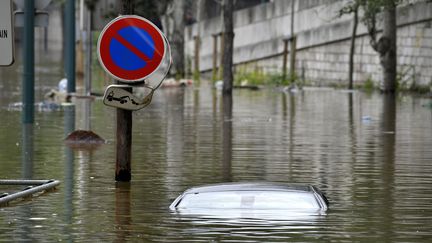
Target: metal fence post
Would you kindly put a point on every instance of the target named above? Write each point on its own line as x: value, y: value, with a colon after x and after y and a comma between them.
x: 28, y: 55
x: 70, y: 45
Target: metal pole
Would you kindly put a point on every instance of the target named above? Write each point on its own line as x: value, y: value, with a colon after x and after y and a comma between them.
x: 124, y: 127
x: 70, y: 45
x: 47, y: 185
x: 89, y: 40
x: 28, y: 56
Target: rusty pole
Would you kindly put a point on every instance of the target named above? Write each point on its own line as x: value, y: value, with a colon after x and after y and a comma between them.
x: 197, y: 59
x: 293, y: 47
x: 221, y: 55
x: 215, y: 57
x: 284, y: 61
x: 124, y: 127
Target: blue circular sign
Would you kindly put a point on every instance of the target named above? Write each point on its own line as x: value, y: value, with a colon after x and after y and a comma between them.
x: 130, y: 48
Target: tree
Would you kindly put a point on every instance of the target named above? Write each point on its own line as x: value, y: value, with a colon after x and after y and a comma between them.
x: 151, y: 10
x: 352, y: 7
x: 386, y: 44
x: 174, y: 13
x: 175, y: 17
x: 228, y: 36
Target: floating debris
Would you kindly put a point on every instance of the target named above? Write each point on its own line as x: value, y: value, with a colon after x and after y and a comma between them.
x: 366, y: 118
x: 40, y: 106
x: 170, y: 82
x: 292, y: 88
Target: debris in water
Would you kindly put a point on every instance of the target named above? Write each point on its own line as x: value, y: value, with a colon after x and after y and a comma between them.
x: 366, y: 118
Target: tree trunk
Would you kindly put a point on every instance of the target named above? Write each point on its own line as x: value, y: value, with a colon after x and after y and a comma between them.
x: 228, y: 46
x: 352, y: 48
x: 293, y: 46
x: 387, y: 49
x: 177, y: 38
x: 127, y: 7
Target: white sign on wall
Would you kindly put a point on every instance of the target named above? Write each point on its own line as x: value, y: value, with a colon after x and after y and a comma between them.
x: 6, y: 33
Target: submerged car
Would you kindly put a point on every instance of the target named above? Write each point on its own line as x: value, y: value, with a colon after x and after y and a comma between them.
x: 251, y: 196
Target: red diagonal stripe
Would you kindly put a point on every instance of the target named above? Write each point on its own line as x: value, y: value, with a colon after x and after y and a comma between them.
x: 132, y: 48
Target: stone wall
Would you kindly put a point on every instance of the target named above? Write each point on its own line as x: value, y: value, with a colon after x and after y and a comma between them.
x: 323, y: 41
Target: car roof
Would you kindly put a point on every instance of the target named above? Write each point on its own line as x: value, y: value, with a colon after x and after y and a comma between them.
x: 249, y: 186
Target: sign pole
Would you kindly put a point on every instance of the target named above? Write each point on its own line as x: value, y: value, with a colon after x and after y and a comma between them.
x: 124, y: 144
x: 135, y: 53
x: 124, y: 127
x: 28, y: 77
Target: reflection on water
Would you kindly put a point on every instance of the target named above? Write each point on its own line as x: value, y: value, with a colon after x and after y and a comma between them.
x: 239, y: 216
x: 227, y: 101
x: 369, y: 153
x: 122, y: 211
x: 27, y: 151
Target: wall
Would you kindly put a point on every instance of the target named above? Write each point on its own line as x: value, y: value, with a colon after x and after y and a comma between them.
x: 323, y: 41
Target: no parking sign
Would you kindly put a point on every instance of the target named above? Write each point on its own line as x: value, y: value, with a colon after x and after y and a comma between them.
x: 133, y: 50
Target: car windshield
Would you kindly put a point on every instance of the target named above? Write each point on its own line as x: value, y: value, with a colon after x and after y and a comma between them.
x: 250, y: 200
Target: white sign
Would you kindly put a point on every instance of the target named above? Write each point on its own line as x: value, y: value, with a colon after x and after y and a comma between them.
x: 116, y: 96
x: 6, y: 33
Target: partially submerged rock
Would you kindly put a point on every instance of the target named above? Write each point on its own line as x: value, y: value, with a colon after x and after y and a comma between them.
x: 83, y: 138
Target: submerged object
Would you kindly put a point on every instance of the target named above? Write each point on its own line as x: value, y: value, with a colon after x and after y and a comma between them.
x: 171, y: 82
x: 84, y: 139
x: 32, y: 187
x: 84, y: 136
x: 259, y: 196
x: 39, y: 106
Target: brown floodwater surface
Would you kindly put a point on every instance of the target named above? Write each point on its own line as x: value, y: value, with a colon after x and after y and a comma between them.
x: 371, y: 155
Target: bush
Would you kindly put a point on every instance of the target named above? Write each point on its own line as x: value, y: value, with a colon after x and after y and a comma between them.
x: 258, y: 77
x: 369, y: 85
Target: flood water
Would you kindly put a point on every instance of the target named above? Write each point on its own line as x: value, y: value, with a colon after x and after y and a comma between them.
x: 371, y: 155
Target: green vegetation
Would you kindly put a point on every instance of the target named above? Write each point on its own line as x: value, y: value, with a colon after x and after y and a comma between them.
x: 406, y: 81
x: 259, y: 77
x: 255, y: 77
x: 369, y: 85
x: 420, y: 89
x: 196, y: 76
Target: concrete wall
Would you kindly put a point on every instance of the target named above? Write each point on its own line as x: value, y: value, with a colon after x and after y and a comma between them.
x: 323, y: 41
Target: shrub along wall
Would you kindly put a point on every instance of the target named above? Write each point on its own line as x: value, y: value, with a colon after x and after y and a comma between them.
x: 323, y: 41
